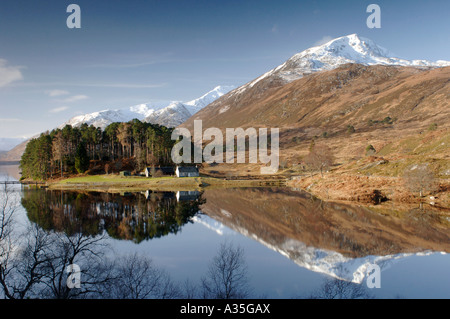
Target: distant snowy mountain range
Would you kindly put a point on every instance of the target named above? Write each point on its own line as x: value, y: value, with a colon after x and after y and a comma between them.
x: 169, y: 114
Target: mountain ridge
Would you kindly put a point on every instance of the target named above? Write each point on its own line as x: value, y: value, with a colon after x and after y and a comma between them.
x: 169, y: 114
x: 350, y: 49
x: 343, y: 50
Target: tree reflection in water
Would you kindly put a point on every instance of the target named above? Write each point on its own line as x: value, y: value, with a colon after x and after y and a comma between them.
x: 133, y: 216
x: 71, y: 228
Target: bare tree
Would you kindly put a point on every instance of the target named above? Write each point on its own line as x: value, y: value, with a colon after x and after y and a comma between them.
x: 17, y: 275
x: 340, y: 289
x: 59, y: 148
x: 136, y: 277
x: 419, y: 179
x: 124, y: 135
x: 85, y: 251
x: 107, y: 168
x: 25, y: 265
x: 34, y: 265
x: 319, y: 158
x: 227, y: 276
x: 8, y: 206
x: 190, y: 290
x: 140, y: 159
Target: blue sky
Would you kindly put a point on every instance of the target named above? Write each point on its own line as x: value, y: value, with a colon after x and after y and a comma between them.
x: 136, y: 51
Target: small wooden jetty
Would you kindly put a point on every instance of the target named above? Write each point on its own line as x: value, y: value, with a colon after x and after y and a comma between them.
x: 27, y: 183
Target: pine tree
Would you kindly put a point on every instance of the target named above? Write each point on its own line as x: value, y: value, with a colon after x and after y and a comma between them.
x: 81, y: 158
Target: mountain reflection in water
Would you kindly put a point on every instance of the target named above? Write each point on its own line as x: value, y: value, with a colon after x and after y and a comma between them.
x: 338, y: 239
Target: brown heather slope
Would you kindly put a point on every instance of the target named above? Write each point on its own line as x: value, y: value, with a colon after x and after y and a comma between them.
x: 349, y: 95
x: 15, y: 154
x: 390, y: 107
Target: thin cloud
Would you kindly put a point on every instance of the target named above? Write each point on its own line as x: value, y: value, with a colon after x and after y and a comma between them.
x: 59, y: 109
x: 75, y: 98
x: 125, y: 66
x: 9, y: 120
x: 274, y: 29
x: 323, y: 40
x: 135, y: 61
x: 9, y: 74
x: 55, y: 93
x: 98, y: 85
x: 129, y: 86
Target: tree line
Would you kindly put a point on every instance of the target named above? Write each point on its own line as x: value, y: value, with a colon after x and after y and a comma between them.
x: 71, y: 149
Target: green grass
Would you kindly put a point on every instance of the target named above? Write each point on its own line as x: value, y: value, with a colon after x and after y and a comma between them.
x: 386, y: 150
x: 417, y: 145
x: 100, y: 179
x: 397, y: 168
x: 435, y: 146
x: 118, y: 183
x: 113, y: 179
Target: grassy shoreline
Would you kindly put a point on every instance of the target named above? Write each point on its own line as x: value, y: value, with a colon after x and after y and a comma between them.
x: 115, y: 183
x: 335, y: 187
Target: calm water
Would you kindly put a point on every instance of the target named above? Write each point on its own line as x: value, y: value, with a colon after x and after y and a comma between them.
x: 292, y: 242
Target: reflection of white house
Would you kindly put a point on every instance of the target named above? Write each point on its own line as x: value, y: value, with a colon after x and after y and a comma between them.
x: 187, y: 172
x: 187, y: 195
x: 149, y: 194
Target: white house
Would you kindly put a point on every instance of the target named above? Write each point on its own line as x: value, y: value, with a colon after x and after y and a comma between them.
x: 187, y: 172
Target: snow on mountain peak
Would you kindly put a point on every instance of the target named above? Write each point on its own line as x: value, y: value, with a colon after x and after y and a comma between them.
x: 172, y: 113
x: 347, y: 49
x: 351, y: 46
x: 196, y: 105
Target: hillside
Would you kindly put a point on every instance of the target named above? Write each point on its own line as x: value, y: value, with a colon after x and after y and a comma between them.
x: 401, y: 111
x: 352, y: 94
x: 380, y: 102
x: 15, y: 154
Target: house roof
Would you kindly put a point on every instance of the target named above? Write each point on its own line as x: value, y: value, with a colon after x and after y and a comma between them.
x: 163, y: 169
x: 188, y: 169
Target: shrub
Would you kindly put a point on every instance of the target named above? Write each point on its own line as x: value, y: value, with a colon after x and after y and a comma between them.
x: 370, y: 150
x: 387, y: 120
x: 350, y: 129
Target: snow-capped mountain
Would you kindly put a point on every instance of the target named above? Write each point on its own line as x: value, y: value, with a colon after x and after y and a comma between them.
x: 177, y: 113
x: 196, y: 105
x: 347, y: 49
x: 169, y: 114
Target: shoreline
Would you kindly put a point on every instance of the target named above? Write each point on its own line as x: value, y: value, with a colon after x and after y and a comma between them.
x: 331, y: 187
x: 363, y: 189
x: 117, y: 183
